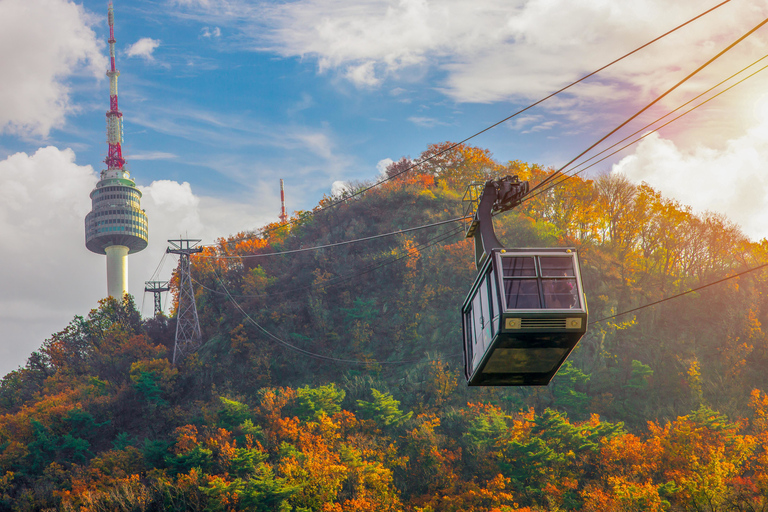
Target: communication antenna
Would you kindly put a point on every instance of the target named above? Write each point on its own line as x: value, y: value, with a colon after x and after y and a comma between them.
x: 188, y: 336
x: 156, y: 288
x: 283, y: 216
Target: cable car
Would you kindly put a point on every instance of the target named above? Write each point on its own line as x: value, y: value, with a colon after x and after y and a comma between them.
x: 526, y: 310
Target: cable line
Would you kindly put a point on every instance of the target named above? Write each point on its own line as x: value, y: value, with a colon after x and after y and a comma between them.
x: 531, y: 196
x: 337, y: 244
x: 456, y: 144
x: 530, y: 107
x: 298, y: 349
x: 678, y: 108
x: 680, y: 294
x: 569, y: 176
x: 659, y: 98
x: 339, y: 279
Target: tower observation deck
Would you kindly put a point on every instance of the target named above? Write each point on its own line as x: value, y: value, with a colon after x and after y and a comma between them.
x: 116, y: 225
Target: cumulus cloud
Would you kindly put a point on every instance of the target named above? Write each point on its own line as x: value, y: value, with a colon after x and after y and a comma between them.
x: 339, y: 187
x: 143, y: 48
x: 731, y: 179
x: 382, y: 165
x: 210, y: 32
x: 492, y: 50
x: 36, y: 64
x: 49, y: 276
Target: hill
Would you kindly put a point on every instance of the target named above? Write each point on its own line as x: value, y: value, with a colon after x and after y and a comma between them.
x: 330, y: 379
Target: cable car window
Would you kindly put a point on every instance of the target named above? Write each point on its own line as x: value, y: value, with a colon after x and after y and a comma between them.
x: 556, y: 266
x: 495, y: 306
x: 477, y: 318
x: 522, y: 293
x: 560, y: 293
x: 519, y: 267
x: 468, y: 334
x: 481, y: 316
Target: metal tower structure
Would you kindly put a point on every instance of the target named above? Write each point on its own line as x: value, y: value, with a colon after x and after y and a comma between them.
x: 156, y: 288
x: 188, y: 336
x: 283, y: 216
x: 116, y: 225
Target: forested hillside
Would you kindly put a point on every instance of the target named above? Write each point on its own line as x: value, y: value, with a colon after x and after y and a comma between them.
x: 331, y: 379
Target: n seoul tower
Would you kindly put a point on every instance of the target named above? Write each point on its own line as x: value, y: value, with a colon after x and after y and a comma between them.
x: 116, y: 226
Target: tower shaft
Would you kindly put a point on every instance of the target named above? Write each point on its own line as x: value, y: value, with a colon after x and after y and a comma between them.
x: 117, y: 271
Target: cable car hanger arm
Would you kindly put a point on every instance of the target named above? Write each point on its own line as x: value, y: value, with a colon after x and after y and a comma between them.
x: 498, y: 196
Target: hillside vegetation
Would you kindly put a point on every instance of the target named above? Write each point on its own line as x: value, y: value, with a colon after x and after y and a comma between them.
x: 661, y: 409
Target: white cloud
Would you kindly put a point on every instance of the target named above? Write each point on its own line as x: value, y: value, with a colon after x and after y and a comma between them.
x: 426, y: 122
x: 143, y: 48
x: 152, y: 155
x: 494, y: 50
x: 208, y: 32
x: 48, y: 276
x: 498, y: 50
x: 730, y: 180
x: 45, y: 43
x: 339, y: 187
x: 363, y: 74
x: 382, y: 165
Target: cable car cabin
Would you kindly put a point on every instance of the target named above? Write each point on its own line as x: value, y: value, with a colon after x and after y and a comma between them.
x: 523, y: 316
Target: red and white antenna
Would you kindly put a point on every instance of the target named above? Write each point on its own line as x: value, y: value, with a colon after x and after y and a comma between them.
x: 115, y: 158
x: 283, y: 216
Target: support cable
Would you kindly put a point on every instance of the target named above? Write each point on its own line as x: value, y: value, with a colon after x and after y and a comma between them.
x: 566, y: 177
x: 678, y: 108
x: 537, y: 103
x: 337, y: 244
x: 454, y: 145
x: 298, y: 349
x: 659, y: 98
x: 680, y: 294
x: 339, y: 279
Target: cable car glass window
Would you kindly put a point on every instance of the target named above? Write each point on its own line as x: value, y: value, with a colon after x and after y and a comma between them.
x: 519, y: 267
x: 469, y: 335
x: 522, y: 293
x: 556, y: 266
x: 558, y: 283
x: 493, y: 283
x: 560, y: 293
x: 482, y: 316
x: 477, y: 320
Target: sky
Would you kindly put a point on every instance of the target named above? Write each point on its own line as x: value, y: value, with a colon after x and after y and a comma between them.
x: 222, y: 98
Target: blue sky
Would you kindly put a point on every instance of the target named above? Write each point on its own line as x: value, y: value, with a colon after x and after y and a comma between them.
x: 222, y: 98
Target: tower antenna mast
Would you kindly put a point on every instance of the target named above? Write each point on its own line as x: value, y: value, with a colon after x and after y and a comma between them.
x: 283, y: 216
x: 114, y: 158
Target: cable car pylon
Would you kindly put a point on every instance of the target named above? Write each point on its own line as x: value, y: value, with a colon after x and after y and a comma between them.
x: 526, y: 310
x: 188, y: 336
x: 156, y: 288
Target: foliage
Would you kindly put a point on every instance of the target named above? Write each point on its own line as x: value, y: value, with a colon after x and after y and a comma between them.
x: 661, y: 410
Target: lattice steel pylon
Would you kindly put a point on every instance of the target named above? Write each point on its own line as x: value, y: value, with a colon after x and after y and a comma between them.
x: 188, y: 335
x: 156, y: 288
